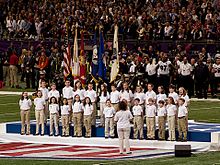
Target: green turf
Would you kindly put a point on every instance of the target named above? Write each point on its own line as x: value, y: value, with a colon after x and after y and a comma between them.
x: 210, y: 158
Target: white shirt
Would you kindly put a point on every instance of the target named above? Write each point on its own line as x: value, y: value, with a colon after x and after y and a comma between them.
x: 151, y: 69
x: 65, y: 110
x: 137, y: 110
x: 67, y: 92
x: 150, y: 94
x: 114, y: 97
x: 171, y: 110
x: 186, y: 98
x: 45, y: 92
x: 150, y: 111
x: 91, y: 94
x: 79, y: 92
x: 54, y: 93
x: 123, y: 119
x: 175, y: 96
x: 88, y: 109
x: 39, y: 103
x: 185, y: 69
x: 141, y: 96
x: 104, y: 98
x: 53, y: 108
x: 182, y: 111
x: 127, y: 95
x: 161, y: 111
x: 77, y: 107
x: 25, y: 104
x: 161, y: 96
x: 217, y: 70
x: 164, y: 67
x: 109, y: 112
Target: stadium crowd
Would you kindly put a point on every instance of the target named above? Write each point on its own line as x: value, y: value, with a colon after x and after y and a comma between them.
x: 139, y: 19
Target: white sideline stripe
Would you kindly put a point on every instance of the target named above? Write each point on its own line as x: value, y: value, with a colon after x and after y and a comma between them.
x: 197, y: 109
x: 8, y: 103
x: 13, y: 93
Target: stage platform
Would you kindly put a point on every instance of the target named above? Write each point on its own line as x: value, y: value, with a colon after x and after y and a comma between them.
x: 45, y: 147
x: 200, y: 132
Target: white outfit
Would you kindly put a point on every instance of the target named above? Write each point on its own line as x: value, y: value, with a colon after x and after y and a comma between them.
x: 53, y: 108
x: 67, y: 92
x: 65, y: 110
x: 77, y: 107
x: 141, y: 96
x: 54, y: 93
x: 150, y: 111
x: 150, y: 94
x: 91, y: 94
x: 80, y: 92
x: 39, y: 103
x: 25, y: 104
x: 137, y: 110
x: 88, y: 109
x: 114, y: 97
x: 109, y: 112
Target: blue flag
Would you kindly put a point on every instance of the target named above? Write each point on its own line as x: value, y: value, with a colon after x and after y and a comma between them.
x: 101, y: 59
x: 95, y: 59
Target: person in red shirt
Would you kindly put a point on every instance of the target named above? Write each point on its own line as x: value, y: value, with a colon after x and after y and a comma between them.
x: 13, y: 62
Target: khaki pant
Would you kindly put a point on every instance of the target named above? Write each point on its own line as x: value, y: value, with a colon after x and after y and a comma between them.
x: 70, y: 102
x: 150, y: 127
x: 39, y: 115
x: 88, y: 125
x: 182, y: 128
x: 109, y: 123
x: 115, y: 106
x: 77, y: 121
x: 6, y: 75
x: 54, y: 123
x: 161, y: 126
x: 25, y: 118
x: 46, y: 111
x: 13, y: 75
x: 94, y: 114
x: 102, y: 116
x: 123, y: 135
x: 65, y: 125
x: 171, y: 127
x: 138, y: 127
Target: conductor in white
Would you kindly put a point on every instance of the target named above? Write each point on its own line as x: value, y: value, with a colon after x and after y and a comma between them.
x: 123, y: 117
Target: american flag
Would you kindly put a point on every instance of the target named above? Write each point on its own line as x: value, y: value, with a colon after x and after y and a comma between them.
x: 66, y: 54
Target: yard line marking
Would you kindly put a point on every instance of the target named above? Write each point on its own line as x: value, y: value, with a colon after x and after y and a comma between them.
x: 12, y: 113
x: 8, y: 103
x: 197, y: 109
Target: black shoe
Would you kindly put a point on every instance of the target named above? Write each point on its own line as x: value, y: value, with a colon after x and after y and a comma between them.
x: 41, y: 134
x: 67, y: 135
x: 79, y: 136
x: 134, y: 139
x: 27, y: 134
x: 22, y: 133
x: 128, y: 153
x: 56, y: 135
x: 179, y: 139
x: 106, y: 137
x: 36, y: 134
x: 51, y: 135
x: 112, y: 137
x: 184, y: 140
